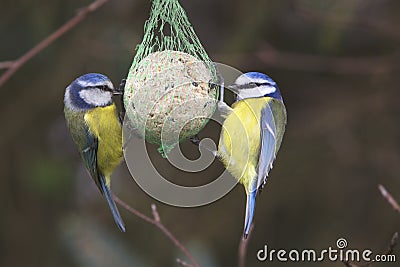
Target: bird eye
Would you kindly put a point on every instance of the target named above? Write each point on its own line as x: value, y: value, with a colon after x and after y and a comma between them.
x: 253, y: 84
x: 104, y: 88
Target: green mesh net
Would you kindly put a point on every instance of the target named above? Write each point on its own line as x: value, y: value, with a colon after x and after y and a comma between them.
x: 169, y: 93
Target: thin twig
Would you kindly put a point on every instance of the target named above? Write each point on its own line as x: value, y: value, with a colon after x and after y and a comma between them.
x: 349, y: 264
x: 155, y: 213
x: 6, y: 64
x: 79, y: 17
x: 159, y: 225
x: 393, y: 243
x: 389, y: 198
x: 243, y: 249
x: 183, y: 263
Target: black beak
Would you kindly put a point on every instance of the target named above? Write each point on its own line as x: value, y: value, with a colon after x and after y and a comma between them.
x: 116, y: 92
x: 120, y: 89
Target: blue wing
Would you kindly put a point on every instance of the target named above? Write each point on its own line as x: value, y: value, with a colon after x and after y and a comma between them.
x: 267, y: 149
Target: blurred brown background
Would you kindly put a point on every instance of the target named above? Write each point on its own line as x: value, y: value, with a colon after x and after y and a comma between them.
x: 337, y: 65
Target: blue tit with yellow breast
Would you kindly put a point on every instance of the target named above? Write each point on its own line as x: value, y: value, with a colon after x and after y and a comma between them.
x: 92, y: 119
x: 251, y: 134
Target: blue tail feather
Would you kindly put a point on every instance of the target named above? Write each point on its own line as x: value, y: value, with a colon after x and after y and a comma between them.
x: 110, y: 200
x: 250, y: 206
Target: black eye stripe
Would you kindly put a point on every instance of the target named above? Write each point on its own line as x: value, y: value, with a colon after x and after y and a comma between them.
x: 255, y: 84
x: 261, y: 84
x: 104, y: 88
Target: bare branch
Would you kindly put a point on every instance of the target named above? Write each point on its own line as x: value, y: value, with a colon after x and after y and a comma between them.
x: 6, y: 64
x: 349, y: 264
x: 183, y: 263
x: 157, y: 222
x: 389, y: 198
x: 13, y: 66
x: 155, y: 213
x: 243, y: 249
x: 393, y: 243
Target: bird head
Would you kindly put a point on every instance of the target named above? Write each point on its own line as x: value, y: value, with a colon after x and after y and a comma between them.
x: 255, y: 84
x: 89, y: 91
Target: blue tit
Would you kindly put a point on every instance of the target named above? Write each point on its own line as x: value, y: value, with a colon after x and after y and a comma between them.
x: 92, y: 119
x: 252, y: 134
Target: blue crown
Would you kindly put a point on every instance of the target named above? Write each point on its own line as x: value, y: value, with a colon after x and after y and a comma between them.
x: 262, y: 76
x: 92, y: 79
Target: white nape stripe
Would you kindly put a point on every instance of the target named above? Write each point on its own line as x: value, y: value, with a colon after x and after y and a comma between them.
x: 243, y: 79
x: 84, y: 83
x: 258, y: 91
x: 67, y: 99
x: 96, y: 97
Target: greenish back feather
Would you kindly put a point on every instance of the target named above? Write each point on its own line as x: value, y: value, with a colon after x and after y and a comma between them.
x: 86, y: 143
x: 77, y: 126
x: 280, y: 117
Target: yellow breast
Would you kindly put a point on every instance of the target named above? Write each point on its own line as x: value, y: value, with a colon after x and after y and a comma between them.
x: 104, y: 125
x: 239, y: 144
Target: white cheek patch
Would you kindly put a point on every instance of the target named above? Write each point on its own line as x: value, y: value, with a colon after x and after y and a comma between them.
x: 259, y: 91
x: 96, y: 97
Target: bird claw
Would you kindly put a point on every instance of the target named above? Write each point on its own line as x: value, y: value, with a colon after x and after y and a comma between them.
x: 121, y: 86
x: 195, y: 140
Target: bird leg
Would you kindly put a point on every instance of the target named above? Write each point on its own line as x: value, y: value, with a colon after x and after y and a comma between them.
x: 195, y: 140
x: 120, y: 92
